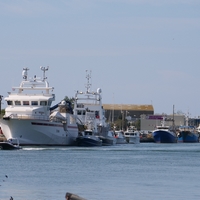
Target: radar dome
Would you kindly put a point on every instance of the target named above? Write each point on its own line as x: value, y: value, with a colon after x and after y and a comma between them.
x: 99, y: 90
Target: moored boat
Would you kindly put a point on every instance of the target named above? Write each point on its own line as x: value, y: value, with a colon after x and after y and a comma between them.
x: 89, y: 110
x: 187, y: 134
x: 121, y: 139
x: 30, y: 118
x: 164, y: 135
x: 132, y: 135
x: 109, y: 139
x: 88, y: 139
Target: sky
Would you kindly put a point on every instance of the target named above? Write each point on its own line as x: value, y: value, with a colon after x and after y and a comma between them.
x: 138, y: 51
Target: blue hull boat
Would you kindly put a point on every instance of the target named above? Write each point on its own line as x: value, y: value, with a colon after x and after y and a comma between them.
x: 164, y: 136
x: 187, y: 134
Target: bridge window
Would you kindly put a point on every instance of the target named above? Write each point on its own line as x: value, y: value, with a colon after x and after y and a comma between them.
x: 49, y: 103
x: 79, y: 112
x: 17, y: 103
x: 10, y: 103
x: 80, y: 105
x: 34, y: 103
x: 25, y: 103
x: 43, y: 103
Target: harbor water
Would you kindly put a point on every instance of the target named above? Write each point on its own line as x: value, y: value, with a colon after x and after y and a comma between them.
x: 146, y: 171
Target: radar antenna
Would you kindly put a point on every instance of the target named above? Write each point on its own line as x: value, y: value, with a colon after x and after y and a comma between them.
x: 88, y: 77
x: 25, y: 73
x: 44, y: 69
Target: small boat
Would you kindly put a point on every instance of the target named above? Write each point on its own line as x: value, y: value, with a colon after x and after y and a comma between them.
x: 88, y: 139
x: 187, y: 134
x: 109, y: 139
x: 132, y: 135
x: 119, y: 135
x: 8, y: 145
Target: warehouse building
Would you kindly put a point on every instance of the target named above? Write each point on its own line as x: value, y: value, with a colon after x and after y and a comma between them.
x: 149, y: 122
x: 126, y: 111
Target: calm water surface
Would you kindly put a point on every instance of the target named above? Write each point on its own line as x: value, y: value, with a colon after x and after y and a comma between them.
x: 147, y: 171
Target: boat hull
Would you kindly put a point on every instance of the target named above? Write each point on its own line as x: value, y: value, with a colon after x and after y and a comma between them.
x: 162, y: 136
x: 108, y: 141
x: 188, y: 137
x: 88, y: 141
x: 39, y: 132
x: 8, y: 146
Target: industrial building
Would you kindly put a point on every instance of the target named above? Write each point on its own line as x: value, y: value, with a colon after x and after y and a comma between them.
x: 126, y: 111
x: 144, y: 113
x: 149, y: 122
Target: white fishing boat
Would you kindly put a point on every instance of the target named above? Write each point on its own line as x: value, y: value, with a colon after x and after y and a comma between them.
x: 132, y: 135
x: 121, y: 139
x: 31, y: 120
x: 89, y: 110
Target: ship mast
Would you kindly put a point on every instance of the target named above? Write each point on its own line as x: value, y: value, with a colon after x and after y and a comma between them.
x: 44, y: 69
x: 25, y: 73
x: 88, y: 84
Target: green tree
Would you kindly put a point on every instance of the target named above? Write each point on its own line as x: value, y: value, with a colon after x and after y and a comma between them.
x: 2, y: 113
x: 71, y: 100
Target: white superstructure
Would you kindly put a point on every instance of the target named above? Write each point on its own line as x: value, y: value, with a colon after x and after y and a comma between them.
x: 30, y: 118
x: 132, y: 135
x: 89, y: 109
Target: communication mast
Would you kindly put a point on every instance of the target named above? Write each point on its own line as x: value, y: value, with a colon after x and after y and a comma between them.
x: 44, y: 69
x: 88, y: 77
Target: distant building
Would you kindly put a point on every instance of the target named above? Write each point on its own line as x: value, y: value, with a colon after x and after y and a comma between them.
x: 149, y: 122
x: 126, y: 111
x: 194, y: 121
